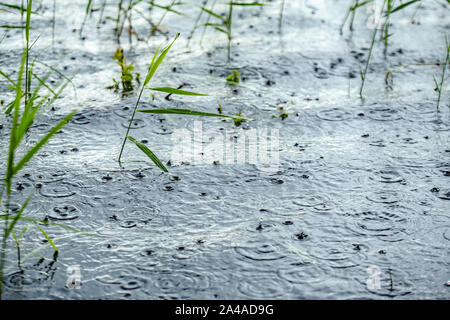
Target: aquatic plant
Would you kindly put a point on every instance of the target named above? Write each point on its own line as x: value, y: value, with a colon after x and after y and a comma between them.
x: 127, y: 72
x: 225, y: 23
x: 24, y: 112
x: 351, y: 12
x: 166, y: 9
x: 158, y: 58
x: 385, y: 34
x: 234, y: 77
x: 389, y: 77
x: 389, y: 11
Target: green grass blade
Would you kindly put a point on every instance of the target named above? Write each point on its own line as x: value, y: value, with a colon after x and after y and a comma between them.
x: 8, y: 78
x: 213, y: 14
x: 178, y: 91
x: 11, y: 27
x: 27, y: 157
x: 402, y: 6
x: 48, y: 239
x: 45, y: 222
x: 156, y: 62
x: 18, y: 215
x: 13, y: 137
x: 187, y: 112
x: 28, y: 24
x: 245, y: 4
x: 149, y: 153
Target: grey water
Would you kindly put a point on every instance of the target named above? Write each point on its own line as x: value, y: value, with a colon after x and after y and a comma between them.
x: 358, y: 208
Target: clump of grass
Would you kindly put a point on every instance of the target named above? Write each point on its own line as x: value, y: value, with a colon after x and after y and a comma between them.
x: 24, y: 111
x: 154, y: 65
x: 238, y: 119
x: 284, y: 115
x: 234, y: 77
x: 127, y: 72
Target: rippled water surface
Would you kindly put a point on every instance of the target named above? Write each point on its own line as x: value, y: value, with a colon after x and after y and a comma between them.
x: 362, y: 185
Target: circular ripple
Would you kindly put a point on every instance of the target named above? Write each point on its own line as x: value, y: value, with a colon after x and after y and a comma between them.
x: 337, y: 254
x: 269, y: 286
x: 393, y: 283
x: 64, y: 212
x: 85, y: 117
x: 387, y: 226
x: 384, y: 114
x: 25, y: 280
x: 136, y: 124
x: 257, y: 251
x: 312, y: 200
x: 304, y: 274
x: 180, y: 282
x: 128, y: 224
x: 123, y: 281
x: 334, y: 114
x: 389, y: 176
x: 57, y: 189
x: 446, y: 234
x: 250, y: 73
x: 124, y: 112
x: 384, y: 196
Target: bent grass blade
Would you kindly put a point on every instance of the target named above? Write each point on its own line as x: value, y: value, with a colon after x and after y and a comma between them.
x: 149, y: 153
x: 48, y: 239
x: 188, y: 112
x: 178, y: 91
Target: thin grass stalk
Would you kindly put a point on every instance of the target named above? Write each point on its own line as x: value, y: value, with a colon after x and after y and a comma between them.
x: 205, y: 3
x: 131, y: 122
x: 364, y: 73
x: 386, y: 25
x: 162, y: 17
x: 207, y: 21
x: 27, y: 40
x: 119, y: 11
x: 444, y: 69
x: 352, y: 19
x: 53, y: 22
x: 280, y: 21
x: 102, y: 11
x: 229, y: 21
